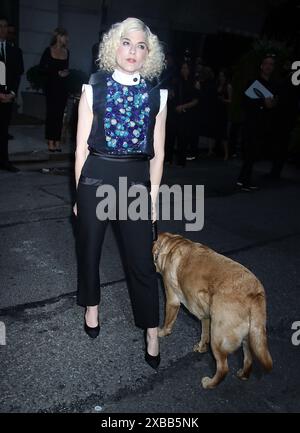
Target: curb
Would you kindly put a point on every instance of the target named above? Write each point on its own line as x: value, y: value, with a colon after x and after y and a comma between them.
x: 40, y: 156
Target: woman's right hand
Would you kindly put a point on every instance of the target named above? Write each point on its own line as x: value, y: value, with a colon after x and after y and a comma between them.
x: 179, y: 109
x: 75, y: 209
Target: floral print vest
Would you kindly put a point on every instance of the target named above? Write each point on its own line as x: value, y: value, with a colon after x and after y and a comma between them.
x: 124, y: 117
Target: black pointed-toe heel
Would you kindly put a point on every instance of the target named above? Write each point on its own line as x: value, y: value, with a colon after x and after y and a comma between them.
x: 91, y: 332
x: 153, y: 361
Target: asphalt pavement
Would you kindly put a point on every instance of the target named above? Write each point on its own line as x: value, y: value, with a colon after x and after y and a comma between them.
x: 48, y: 363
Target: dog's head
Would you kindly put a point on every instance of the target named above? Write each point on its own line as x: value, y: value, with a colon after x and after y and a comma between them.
x: 161, y: 248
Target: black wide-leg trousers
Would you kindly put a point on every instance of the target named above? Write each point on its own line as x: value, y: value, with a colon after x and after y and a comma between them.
x: 135, y: 238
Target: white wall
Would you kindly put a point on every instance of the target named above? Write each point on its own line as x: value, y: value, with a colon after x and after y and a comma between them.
x: 38, y: 19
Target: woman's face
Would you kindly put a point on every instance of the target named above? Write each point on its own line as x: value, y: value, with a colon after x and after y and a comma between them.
x: 3, y: 29
x: 132, y: 52
x: 63, y: 40
x: 222, y: 77
x: 185, y: 70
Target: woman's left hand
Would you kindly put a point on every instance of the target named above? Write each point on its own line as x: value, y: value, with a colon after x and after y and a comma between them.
x: 153, y: 207
x: 64, y: 73
x: 154, y: 215
x: 179, y: 108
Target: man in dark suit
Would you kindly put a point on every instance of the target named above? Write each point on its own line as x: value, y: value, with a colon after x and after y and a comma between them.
x: 11, y: 60
x: 258, y: 123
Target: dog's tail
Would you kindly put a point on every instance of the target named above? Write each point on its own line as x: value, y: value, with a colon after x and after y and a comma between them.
x: 258, y: 334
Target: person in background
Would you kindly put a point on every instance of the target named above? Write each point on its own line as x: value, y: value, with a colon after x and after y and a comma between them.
x: 199, y: 66
x: 169, y: 78
x: 258, y: 123
x: 285, y: 120
x: 224, y: 90
x: 207, y: 108
x: 12, y: 35
x: 13, y: 40
x: 54, y: 64
x: 185, y: 100
x: 11, y: 59
x: 95, y: 53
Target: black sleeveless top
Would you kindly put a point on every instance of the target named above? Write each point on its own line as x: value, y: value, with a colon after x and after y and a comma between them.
x: 124, y: 117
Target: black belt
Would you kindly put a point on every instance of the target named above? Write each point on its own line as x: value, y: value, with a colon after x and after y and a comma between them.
x: 126, y: 158
x: 85, y: 180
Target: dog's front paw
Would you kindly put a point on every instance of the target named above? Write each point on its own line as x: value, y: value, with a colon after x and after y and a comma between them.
x: 201, y: 348
x: 162, y: 332
x: 207, y: 383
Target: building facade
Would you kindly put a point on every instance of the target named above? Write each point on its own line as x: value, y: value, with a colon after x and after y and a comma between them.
x: 36, y: 19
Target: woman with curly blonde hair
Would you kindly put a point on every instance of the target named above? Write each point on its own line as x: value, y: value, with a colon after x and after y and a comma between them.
x: 121, y: 134
x: 154, y: 63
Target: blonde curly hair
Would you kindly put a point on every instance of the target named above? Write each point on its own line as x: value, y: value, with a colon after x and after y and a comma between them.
x: 155, y: 61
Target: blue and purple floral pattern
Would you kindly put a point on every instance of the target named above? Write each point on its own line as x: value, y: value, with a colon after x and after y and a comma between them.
x: 126, y: 118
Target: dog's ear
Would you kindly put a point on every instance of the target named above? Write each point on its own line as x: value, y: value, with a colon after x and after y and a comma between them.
x: 162, y: 236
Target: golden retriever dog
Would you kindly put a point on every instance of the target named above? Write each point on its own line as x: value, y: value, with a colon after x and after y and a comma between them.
x: 227, y: 298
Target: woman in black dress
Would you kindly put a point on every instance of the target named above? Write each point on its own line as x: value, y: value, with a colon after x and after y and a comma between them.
x: 55, y: 65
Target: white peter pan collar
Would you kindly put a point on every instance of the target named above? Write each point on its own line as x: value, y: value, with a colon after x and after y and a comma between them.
x: 126, y: 79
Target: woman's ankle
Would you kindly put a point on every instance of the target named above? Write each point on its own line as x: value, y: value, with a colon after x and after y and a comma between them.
x: 152, y: 341
x: 152, y: 332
